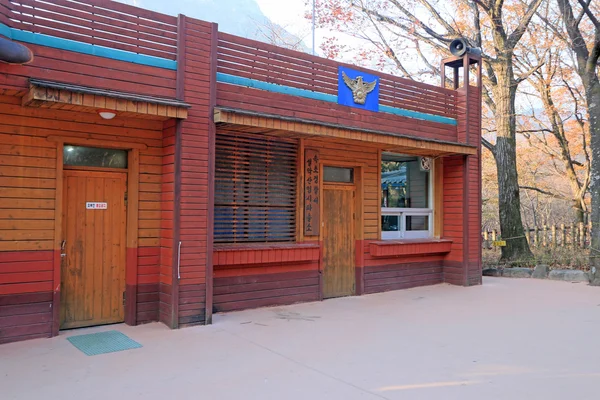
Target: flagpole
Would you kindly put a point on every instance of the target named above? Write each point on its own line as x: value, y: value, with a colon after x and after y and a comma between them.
x: 313, y: 27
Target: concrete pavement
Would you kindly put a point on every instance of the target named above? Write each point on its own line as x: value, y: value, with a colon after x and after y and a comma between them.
x: 508, y: 339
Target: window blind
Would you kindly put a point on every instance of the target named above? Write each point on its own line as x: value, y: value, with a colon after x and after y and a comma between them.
x: 255, y: 188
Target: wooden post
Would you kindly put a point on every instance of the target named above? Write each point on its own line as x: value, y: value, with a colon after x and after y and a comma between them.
x: 545, y: 235
x: 581, y: 235
x: 494, y: 236
x: 563, y: 235
x: 527, y: 236
x: 535, y: 237
x: 573, y: 235
x: 553, y: 232
x: 486, y: 243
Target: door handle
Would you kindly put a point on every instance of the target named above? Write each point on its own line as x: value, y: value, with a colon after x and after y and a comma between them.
x: 63, y: 245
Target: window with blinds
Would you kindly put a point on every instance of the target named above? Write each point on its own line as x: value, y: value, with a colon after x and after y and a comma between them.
x: 255, y: 188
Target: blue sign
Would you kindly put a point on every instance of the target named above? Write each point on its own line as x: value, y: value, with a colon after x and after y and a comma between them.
x: 357, y: 89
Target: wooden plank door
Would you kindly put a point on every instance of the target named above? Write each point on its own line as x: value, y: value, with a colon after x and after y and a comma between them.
x: 338, y: 241
x: 93, y: 264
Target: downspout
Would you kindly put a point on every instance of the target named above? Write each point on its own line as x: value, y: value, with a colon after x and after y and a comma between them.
x: 14, y: 53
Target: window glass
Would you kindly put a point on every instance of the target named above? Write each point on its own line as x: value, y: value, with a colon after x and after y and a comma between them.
x: 336, y: 174
x: 403, y: 183
x: 390, y: 223
x: 405, y: 201
x: 94, y: 157
x: 417, y: 222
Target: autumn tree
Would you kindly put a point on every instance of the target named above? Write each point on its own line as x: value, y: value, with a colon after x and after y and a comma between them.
x: 427, y: 27
x: 555, y: 128
x: 582, y: 25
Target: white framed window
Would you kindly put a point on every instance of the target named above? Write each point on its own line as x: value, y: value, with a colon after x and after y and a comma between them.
x: 406, y: 197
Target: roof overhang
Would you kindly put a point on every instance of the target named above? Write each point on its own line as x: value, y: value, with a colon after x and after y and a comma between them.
x: 249, y: 121
x: 64, y: 96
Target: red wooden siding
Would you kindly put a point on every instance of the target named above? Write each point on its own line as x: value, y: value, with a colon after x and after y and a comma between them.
x: 453, y: 217
x: 474, y: 172
x: 321, y: 111
x: 25, y: 316
x: 167, y: 219
x: 402, y: 274
x: 98, y: 22
x: 194, y: 173
x: 252, y: 287
x: 268, y: 63
x: 28, y: 169
x: 81, y: 69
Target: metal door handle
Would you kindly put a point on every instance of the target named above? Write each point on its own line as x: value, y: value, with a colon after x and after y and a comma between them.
x: 179, y: 261
x: 63, y: 244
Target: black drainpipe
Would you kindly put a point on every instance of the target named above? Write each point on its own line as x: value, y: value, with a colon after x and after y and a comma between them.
x: 14, y: 53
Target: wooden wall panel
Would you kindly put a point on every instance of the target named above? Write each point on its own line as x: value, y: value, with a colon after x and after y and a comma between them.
x: 85, y: 70
x: 25, y: 316
x: 195, y: 145
x: 400, y: 274
x: 474, y: 177
x: 257, y: 289
x: 361, y: 156
x: 260, y: 101
x: 454, y: 180
x: 28, y: 182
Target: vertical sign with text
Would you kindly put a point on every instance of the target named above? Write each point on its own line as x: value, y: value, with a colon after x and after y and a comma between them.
x: 312, y: 209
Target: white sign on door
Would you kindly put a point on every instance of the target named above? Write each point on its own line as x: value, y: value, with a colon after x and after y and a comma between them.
x: 96, y: 206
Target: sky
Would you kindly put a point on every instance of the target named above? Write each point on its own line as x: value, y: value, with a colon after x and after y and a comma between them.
x: 287, y: 13
x: 290, y: 15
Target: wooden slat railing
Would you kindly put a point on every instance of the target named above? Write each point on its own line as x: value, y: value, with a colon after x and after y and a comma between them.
x: 98, y: 22
x: 264, y: 62
x: 573, y: 235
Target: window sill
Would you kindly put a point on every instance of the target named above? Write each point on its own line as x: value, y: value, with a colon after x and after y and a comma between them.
x: 407, y: 247
x: 264, y: 253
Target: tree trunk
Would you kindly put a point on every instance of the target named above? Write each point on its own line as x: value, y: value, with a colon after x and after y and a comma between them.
x: 579, y: 212
x: 592, y: 89
x: 511, y: 225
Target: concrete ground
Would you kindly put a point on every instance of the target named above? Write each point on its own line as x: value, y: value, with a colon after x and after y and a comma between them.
x: 508, y: 339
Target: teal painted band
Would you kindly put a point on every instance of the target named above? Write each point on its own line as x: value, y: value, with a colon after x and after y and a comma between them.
x: 5, y: 31
x: 272, y: 87
x: 417, y: 115
x: 85, y: 48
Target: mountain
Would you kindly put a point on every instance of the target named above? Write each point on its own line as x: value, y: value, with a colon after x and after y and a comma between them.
x: 238, y: 17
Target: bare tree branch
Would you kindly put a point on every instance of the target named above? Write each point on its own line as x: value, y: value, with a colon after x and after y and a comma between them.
x: 545, y: 192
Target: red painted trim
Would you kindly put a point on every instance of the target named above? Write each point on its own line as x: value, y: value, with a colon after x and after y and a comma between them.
x: 264, y: 254
x: 395, y: 248
x: 131, y: 268
x: 359, y: 263
x: 212, y: 132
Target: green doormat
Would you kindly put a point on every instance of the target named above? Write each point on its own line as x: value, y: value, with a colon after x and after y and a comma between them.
x: 103, y: 342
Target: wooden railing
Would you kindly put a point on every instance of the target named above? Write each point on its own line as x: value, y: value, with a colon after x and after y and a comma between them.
x: 264, y: 62
x: 98, y: 22
x: 573, y: 235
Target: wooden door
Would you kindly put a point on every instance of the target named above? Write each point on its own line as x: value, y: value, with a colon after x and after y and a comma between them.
x: 93, y: 264
x: 338, y: 241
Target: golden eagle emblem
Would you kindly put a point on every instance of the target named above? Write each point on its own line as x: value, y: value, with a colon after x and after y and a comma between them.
x: 359, y: 88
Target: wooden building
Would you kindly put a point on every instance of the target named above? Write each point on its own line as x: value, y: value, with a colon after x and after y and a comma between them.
x: 153, y: 168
